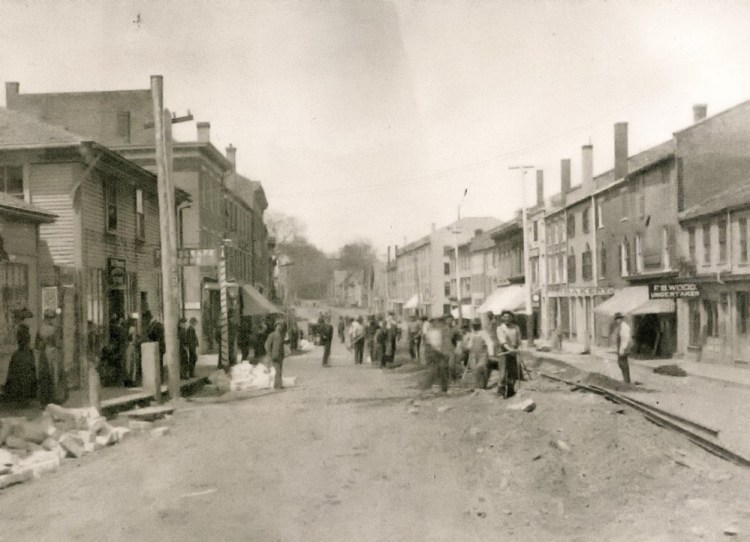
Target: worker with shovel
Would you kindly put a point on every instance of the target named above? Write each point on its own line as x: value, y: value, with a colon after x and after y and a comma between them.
x: 509, y: 338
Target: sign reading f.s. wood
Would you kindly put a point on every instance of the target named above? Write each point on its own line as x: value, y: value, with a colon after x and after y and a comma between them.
x: 672, y: 291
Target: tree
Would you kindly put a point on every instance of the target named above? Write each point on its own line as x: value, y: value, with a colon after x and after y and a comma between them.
x: 284, y: 228
x: 357, y: 255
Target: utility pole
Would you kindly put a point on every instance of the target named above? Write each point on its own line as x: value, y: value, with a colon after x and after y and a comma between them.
x: 170, y: 284
x: 456, y: 231
x: 526, y: 267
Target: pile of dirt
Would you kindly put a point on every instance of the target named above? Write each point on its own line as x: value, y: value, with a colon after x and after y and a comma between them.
x: 670, y: 370
x: 603, y: 381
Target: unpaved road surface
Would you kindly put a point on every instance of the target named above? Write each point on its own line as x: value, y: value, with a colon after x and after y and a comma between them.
x: 347, y: 455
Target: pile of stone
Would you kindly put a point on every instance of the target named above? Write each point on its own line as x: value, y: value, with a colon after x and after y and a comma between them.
x: 246, y: 376
x: 31, y: 448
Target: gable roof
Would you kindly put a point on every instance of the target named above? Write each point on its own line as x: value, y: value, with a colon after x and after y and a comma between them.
x: 14, y: 206
x: 21, y: 130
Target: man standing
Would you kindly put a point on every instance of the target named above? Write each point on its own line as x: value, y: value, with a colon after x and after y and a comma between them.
x: 481, y: 347
x: 183, y: 349
x: 341, y: 326
x: 357, y: 336
x: 441, y: 352
x: 275, y: 350
x: 326, y: 338
x: 624, y: 338
x: 391, y: 335
x: 509, y: 337
x: 192, y: 344
x: 415, y: 337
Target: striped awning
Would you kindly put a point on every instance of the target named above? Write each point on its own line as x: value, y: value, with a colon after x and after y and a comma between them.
x: 655, y: 306
x: 625, y: 301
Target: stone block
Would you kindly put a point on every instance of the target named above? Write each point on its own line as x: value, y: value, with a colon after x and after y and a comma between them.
x: 15, y: 478
x: 527, y: 405
x: 72, y: 445
x: 16, y: 443
x: 121, y: 432
x: 107, y: 439
x: 96, y: 424
x: 86, y: 436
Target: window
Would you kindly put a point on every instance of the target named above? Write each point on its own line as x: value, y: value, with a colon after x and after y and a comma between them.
x: 638, y: 255
x: 665, y: 246
x: 140, y: 224
x: 743, y: 315
x: 691, y: 243
x: 624, y: 258
x: 11, y: 180
x: 641, y: 197
x: 711, y: 308
x: 680, y: 185
x: 123, y: 125
x: 110, y: 204
x: 743, y: 240
x: 599, y: 217
x: 603, y: 259
x: 707, y: 243
x: 536, y: 230
x: 585, y: 220
x: 722, y: 240
x: 571, y: 225
x: 694, y: 322
x: 586, y: 271
x: 571, y: 266
x: 624, y: 196
x: 14, y: 286
x: 535, y: 270
x: 447, y: 268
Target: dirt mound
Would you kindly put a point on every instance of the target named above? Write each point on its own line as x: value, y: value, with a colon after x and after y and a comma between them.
x: 598, y: 379
x: 670, y: 370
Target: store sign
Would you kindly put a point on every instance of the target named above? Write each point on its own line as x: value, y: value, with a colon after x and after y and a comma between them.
x: 188, y: 257
x: 673, y: 291
x: 116, y: 272
x: 581, y: 291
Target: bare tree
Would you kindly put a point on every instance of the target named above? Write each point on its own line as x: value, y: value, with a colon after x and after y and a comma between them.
x: 285, y: 228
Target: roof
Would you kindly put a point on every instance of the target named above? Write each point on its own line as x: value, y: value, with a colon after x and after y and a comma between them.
x: 465, y: 225
x: 17, y: 207
x: 507, y: 227
x: 248, y: 189
x: 732, y: 198
x: 483, y: 241
x: 20, y: 130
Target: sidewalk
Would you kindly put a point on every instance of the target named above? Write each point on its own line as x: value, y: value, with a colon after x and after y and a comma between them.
x: 715, y: 395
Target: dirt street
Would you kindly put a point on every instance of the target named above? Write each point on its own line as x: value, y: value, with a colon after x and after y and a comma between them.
x: 359, y: 453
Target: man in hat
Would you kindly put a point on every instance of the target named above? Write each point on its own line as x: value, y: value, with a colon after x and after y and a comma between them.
x: 192, y: 344
x: 509, y: 338
x: 481, y: 347
x: 326, y: 338
x: 415, y: 337
x: 357, y: 337
x: 624, y: 340
x: 275, y: 350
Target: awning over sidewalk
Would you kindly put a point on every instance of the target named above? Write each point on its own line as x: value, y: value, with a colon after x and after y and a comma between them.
x: 507, y: 298
x: 253, y: 303
x: 655, y: 306
x: 625, y: 300
x: 413, y: 302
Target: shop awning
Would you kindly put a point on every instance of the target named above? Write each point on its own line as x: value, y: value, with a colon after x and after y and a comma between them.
x: 655, y: 306
x: 253, y: 303
x: 625, y: 300
x: 507, y: 298
x: 413, y: 302
x: 467, y: 311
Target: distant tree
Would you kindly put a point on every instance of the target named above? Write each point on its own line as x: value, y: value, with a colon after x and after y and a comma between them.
x: 285, y: 228
x: 357, y: 255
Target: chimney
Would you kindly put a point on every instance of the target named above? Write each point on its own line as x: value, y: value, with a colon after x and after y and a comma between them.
x: 478, y: 231
x: 564, y: 176
x: 587, y: 168
x: 232, y: 155
x: 699, y: 111
x: 433, y: 227
x: 388, y: 258
x: 540, y: 187
x: 204, y: 132
x: 11, y: 93
x: 621, y: 150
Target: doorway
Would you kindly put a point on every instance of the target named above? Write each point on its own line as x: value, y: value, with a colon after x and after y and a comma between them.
x: 116, y: 303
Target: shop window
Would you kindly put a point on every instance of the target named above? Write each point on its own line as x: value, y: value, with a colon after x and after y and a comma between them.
x: 11, y: 180
x: 723, y: 313
x: 586, y: 272
x: 722, y: 240
x: 14, y: 288
x: 743, y: 314
x: 707, y: 243
x: 140, y: 222
x: 743, y: 240
x: 110, y: 204
x: 711, y: 308
x: 694, y: 322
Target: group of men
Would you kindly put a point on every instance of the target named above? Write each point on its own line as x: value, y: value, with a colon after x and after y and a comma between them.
x: 378, y: 337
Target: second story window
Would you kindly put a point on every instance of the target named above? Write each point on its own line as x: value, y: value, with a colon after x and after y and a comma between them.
x: 11, y: 180
x: 707, y: 243
x: 446, y: 268
x: 743, y: 239
x: 571, y: 266
x: 603, y: 259
x: 140, y: 223
x: 624, y: 258
x: 571, y: 225
x: 110, y: 204
x: 599, y: 217
x: 691, y: 243
x: 123, y: 126
x: 585, y: 220
x: 586, y: 271
x: 638, y: 254
x: 722, y: 240
x: 536, y: 230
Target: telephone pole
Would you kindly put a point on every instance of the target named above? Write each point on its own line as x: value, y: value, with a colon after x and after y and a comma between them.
x: 167, y: 211
x: 526, y: 267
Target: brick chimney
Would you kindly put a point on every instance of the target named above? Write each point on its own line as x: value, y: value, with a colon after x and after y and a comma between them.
x: 699, y: 112
x: 621, y: 150
x: 564, y: 176
x: 232, y: 155
x: 540, y: 187
x: 587, y: 168
x: 11, y: 93
x: 204, y: 132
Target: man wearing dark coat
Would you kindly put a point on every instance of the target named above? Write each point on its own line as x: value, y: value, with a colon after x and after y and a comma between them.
x: 326, y: 338
x: 275, y: 349
x: 192, y: 344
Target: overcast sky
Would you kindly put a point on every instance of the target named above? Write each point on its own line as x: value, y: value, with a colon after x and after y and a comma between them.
x: 369, y: 119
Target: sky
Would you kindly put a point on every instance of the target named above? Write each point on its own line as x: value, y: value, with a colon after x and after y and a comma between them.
x: 369, y: 119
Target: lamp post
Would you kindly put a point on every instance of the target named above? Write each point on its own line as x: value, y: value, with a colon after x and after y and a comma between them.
x: 456, y: 231
x: 526, y: 269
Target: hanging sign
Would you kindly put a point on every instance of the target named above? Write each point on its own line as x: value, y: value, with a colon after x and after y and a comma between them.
x: 673, y: 291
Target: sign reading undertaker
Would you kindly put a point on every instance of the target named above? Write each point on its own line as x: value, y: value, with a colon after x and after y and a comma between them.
x: 673, y: 291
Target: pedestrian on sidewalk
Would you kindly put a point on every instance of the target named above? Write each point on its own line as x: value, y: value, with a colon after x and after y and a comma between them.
x: 244, y: 336
x: 624, y: 340
x: 442, y: 352
x: 326, y: 338
x: 379, y: 340
x: 131, y: 358
x: 275, y: 349
x: 52, y: 384
x: 391, y: 336
x: 183, y: 348
x: 20, y: 384
x: 509, y: 337
x: 192, y: 344
x: 370, y: 329
x: 341, y: 326
x: 415, y: 337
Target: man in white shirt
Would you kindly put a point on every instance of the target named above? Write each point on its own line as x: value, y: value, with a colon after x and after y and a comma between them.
x: 357, y: 336
x: 624, y: 340
x: 509, y: 339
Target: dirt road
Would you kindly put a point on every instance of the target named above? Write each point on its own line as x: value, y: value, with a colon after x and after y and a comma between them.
x: 349, y: 455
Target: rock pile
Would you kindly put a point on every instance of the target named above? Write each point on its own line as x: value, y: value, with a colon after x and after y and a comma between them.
x: 31, y: 448
x: 247, y: 376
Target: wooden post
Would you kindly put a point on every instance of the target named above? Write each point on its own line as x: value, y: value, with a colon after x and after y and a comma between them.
x: 170, y: 286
